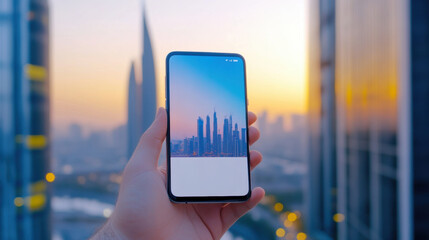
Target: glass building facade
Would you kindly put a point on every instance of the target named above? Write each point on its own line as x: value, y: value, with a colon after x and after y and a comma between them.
x: 419, y: 73
x: 322, y: 189
x: 24, y: 122
x: 380, y: 110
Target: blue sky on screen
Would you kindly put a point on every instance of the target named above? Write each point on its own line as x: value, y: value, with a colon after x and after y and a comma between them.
x: 200, y: 84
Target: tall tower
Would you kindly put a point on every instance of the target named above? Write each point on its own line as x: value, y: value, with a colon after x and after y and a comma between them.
x: 39, y: 136
x: 133, y: 133
x: 236, y: 143
x: 230, y: 147
x: 200, y: 126
x: 368, y: 128
x: 243, y: 142
x: 208, y: 142
x: 148, y: 80
x: 225, y: 136
x: 215, y: 142
x: 24, y: 110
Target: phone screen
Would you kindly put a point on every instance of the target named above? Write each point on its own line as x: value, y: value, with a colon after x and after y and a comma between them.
x: 207, y: 136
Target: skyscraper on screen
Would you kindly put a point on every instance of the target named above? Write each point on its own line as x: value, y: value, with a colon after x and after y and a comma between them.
x: 200, y: 126
x: 215, y: 140
x: 208, y: 141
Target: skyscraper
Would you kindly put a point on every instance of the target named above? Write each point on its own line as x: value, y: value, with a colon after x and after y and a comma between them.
x: 215, y: 142
x: 219, y: 144
x: 200, y: 130
x: 243, y: 141
x: 208, y: 142
x: 133, y: 123
x: 38, y: 74
x: 236, y: 142
x: 225, y: 149
x: 24, y: 110
x: 191, y: 145
x: 141, y: 98
x: 185, y: 146
x: 322, y: 156
x: 380, y: 114
x: 230, y: 145
x: 148, y: 80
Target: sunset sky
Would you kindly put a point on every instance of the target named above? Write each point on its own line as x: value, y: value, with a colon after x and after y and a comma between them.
x: 93, y: 44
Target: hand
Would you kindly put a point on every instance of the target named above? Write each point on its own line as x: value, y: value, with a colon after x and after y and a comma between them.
x: 143, y: 209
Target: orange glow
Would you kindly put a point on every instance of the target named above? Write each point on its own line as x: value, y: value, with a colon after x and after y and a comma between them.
x: 91, y: 55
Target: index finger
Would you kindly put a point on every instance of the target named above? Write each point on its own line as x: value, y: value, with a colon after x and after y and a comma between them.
x: 251, y: 117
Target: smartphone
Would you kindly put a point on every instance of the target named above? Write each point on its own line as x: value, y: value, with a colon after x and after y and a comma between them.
x: 207, y: 135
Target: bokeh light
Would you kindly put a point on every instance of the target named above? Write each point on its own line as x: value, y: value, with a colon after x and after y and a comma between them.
x: 338, y: 217
x: 292, y: 217
x: 107, y: 212
x: 301, y: 236
x: 278, y: 207
x: 287, y: 223
x: 280, y: 232
x: 19, y: 201
x: 50, y: 177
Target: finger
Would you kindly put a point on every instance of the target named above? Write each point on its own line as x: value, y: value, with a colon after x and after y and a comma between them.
x: 146, y: 155
x: 233, y: 211
x: 251, y: 117
x: 255, y: 159
x: 253, y: 135
x: 163, y: 170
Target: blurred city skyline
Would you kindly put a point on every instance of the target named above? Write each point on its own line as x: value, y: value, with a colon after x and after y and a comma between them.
x: 345, y: 153
x: 94, y: 44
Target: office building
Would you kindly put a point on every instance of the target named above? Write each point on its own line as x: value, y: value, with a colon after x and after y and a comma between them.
x: 243, y: 142
x: 200, y: 131
x: 322, y: 120
x: 219, y: 141
x: 208, y: 141
x: 380, y: 117
x: 225, y: 137
x: 230, y: 143
x: 24, y: 125
x: 236, y: 141
x: 215, y: 140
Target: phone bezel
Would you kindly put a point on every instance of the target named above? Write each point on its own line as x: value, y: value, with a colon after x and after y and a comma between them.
x: 203, y: 199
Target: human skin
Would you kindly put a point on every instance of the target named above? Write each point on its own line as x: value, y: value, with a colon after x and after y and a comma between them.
x: 143, y: 209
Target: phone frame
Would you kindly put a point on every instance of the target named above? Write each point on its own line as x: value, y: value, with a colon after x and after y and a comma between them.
x: 203, y: 199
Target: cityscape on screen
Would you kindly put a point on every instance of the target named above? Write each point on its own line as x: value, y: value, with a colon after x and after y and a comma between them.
x: 206, y: 143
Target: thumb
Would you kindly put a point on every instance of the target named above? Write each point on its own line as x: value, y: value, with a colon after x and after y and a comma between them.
x: 146, y: 154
